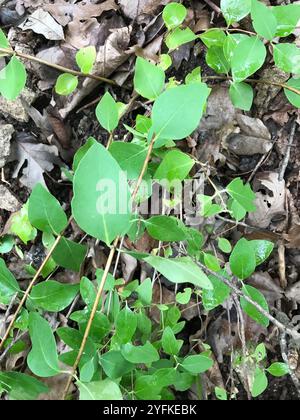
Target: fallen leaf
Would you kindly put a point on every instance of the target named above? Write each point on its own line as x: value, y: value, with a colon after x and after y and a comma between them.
x: 6, y: 132
x: 253, y: 137
x: 293, y: 237
x: 134, y: 9
x: 65, y: 12
x: 42, y: 22
x: 270, y: 200
x: 39, y: 157
x: 293, y: 292
x: 8, y: 201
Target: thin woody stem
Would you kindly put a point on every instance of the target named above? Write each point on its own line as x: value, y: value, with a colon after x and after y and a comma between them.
x: 56, y: 66
x: 29, y: 288
x: 105, y: 275
x: 256, y: 81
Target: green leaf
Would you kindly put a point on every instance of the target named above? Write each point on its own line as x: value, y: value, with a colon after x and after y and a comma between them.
x: 170, y: 345
x: 224, y: 245
x: 130, y: 157
x: 21, y: 387
x: 114, y: 364
x: 12, y: 79
x: 194, y: 76
x: 243, y: 194
x: 183, y: 381
x: 180, y: 270
x: 197, y: 364
x: 216, y: 59
x: 174, y: 15
x: 101, y: 199
x: 243, y: 259
x: 221, y: 394
x: 260, y: 383
x: 45, y: 212
x: 178, y: 111
x: 263, y: 250
x: 66, y: 84
x: 251, y: 310
x: 211, y: 299
x: 73, y: 338
x: 21, y: 226
x: 176, y: 165
x: 260, y: 353
x: 184, y: 297
x: 241, y: 95
x: 7, y: 243
x: 149, y: 80
x: 179, y: 37
x: 146, y: 354
x: 279, y: 369
x: 230, y: 44
x: 166, y: 228
x: 287, y: 18
x: 3, y: 40
x: 144, y: 292
x: 53, y: 296
x: 69, y: 254
x: 213, y: 38
x: 107, y: 112
x: 8, y: 284
x: 165, y: 61
x: 85, y: 59
x: 287, y: 57
x: 293, y: 97
x: 87, y: 291
x: 211, y: 262
x: 238, y: 211
x: 208, y: 209
x: 126, y: 324
x: 146, y: 388
x: 248, y: 57
x: 81, y: 152
x: 98, y: 391
x: 235, y: 10
x: 264, y: 20
x: 42, y: 359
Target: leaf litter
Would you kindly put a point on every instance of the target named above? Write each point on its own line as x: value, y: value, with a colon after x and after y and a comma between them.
x: 227, y: 141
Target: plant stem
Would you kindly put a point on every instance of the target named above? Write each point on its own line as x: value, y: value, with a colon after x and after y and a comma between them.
x: 292, y: 333
x: 29, y: 288
x: 105, y: 275
x: 256, y: 81
x: 56, y: 66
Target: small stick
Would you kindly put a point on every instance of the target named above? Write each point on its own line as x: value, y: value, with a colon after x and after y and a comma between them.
x: 213, y: 6
x: 287, y: 156
x: 56, y: 66
x: 28, y: 290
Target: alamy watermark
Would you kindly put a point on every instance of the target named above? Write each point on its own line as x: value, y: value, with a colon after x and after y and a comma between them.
x: 155, y: 197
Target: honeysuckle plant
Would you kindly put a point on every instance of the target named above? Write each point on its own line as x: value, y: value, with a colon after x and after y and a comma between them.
x: 115, y: 350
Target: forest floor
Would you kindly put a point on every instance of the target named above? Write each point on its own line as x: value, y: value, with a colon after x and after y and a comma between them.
x: 40, y: 133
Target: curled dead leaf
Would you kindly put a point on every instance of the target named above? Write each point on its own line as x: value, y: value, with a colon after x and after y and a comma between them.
x: 270, y: 200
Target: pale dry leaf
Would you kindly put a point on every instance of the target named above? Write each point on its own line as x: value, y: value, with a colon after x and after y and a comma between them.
x: 293, y: 237
x: 134, y: 9
x: 42, y: 23
x: 253, y: 137
x: 8, y: 201
x: 6, y: 132
x: 293, y: 292
x: 39, y: 158
x: 270, y: 200
x: 65, y: 12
